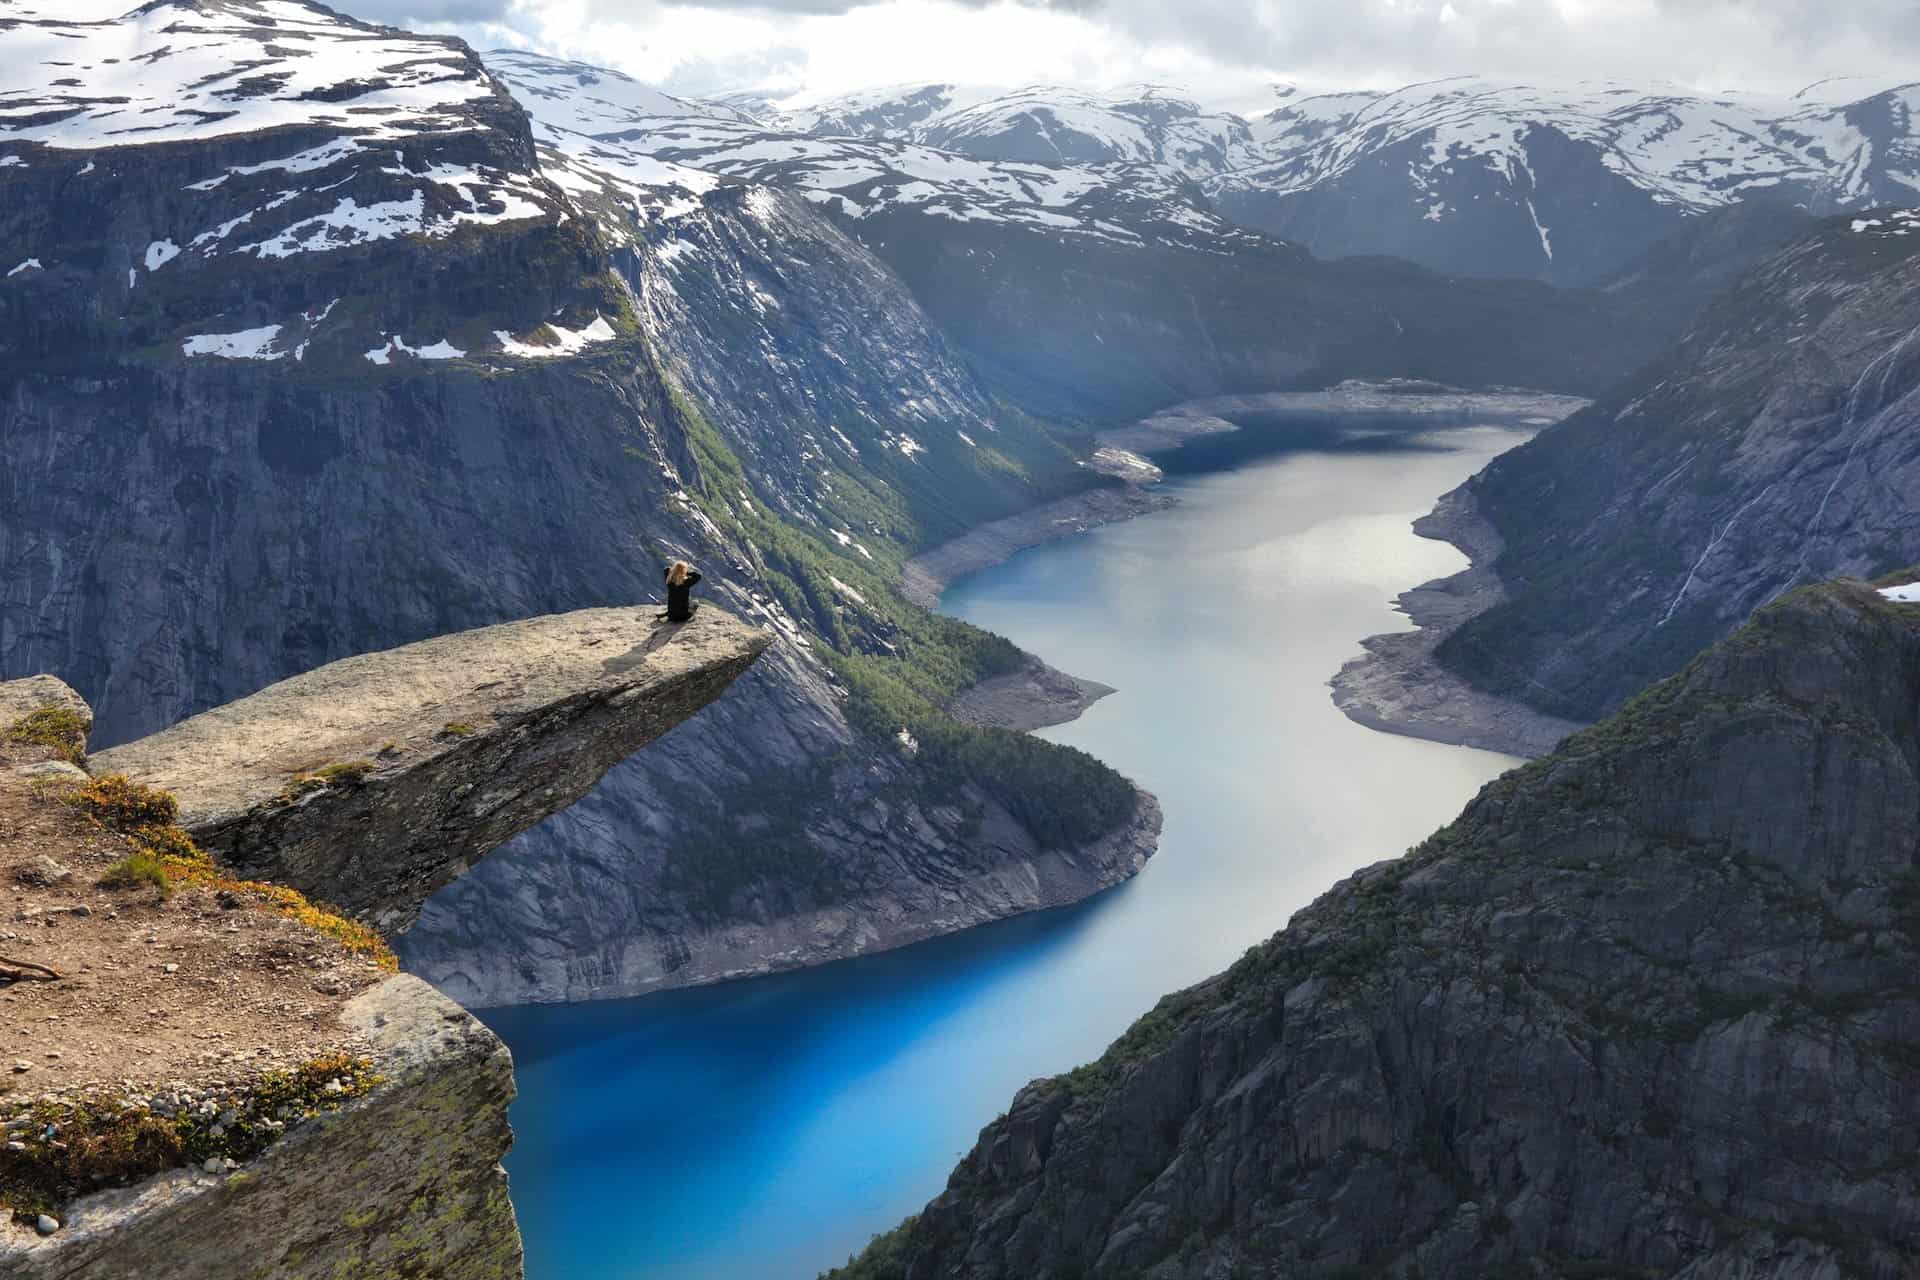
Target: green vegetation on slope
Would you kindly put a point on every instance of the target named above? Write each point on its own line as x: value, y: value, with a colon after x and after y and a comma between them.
x: 901, y: 664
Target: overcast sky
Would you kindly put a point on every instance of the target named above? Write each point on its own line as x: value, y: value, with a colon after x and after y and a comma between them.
x: 1224, y: 50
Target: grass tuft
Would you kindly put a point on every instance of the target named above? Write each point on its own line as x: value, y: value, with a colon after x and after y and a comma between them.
x: 120, y: 804
x: 339, y: 774
x: 138, y: 868
x: 60, y: 729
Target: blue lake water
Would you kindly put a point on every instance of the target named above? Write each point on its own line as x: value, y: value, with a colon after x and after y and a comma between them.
x: 766, y: 1129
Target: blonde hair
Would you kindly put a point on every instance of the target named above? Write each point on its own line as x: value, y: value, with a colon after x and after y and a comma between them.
x: 677, y: 573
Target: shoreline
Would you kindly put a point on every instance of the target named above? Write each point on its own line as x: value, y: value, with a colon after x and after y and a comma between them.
x: 1038, y: 696
x: 883, y: 921
x: 1120, y: 452
x: 925, y: 577
x: 1397, y: 685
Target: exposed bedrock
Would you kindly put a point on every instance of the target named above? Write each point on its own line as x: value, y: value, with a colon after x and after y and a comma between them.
x: 405, y: 1182
x: 372, y: 781
x: 1647, y: 1007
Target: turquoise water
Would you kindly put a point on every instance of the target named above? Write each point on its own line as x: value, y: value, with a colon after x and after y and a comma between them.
x: 765, y: 1129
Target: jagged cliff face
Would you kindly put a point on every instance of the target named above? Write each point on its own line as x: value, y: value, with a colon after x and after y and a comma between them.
x: 1647, y: 1006
x: 403, y: 1182
x: 1778, y: 444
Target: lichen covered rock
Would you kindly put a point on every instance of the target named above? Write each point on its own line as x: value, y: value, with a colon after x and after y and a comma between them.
x: 405, y: 1182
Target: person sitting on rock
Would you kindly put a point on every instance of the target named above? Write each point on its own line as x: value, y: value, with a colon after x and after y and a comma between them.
x: 680, y: 580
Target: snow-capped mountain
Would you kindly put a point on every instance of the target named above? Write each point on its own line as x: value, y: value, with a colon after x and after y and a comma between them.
x: 1106, y: 287
x: 1562, y: 183
x: 1137, y: 124
x: 164, y: 162
x: 1465, y: 175
x: 858, y: 177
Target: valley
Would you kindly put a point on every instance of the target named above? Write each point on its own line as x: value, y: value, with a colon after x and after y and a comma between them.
x: 1119, y: 518
x: 768, y: 1128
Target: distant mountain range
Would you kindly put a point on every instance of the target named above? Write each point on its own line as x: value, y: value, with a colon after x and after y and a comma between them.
x: 1466, y: 175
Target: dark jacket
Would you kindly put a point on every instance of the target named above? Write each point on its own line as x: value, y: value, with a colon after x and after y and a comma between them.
x: 680, y: 598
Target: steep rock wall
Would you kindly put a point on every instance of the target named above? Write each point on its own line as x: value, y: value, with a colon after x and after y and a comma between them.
x: 1647, y: 1006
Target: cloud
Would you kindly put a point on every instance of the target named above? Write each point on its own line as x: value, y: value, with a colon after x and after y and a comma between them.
x: 1221, y: 49
x: 429, y: 13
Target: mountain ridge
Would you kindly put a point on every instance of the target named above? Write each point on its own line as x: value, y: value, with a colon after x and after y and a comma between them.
x: 1647, y: 1004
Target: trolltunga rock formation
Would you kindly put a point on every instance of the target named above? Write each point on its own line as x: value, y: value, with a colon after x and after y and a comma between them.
x: 370, y: 782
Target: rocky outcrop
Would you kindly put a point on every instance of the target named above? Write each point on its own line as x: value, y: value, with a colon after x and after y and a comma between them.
x: 370, y: 782
x: 404, y: 1182
x: 21, y: 698
x: 1777, y: 445
x: 1647, y: 1007
x: 1398, y: 687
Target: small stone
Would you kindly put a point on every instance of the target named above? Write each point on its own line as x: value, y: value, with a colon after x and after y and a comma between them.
x: 21, y: 1064
x: 171, y: 968
x: 213, y: 1164
x: 46, y: 1225
x: 333, y: 1088
x: 16, y: 1145
x: 43, y: 871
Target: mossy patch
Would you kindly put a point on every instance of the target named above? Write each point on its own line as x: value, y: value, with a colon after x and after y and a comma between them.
x: 61, y: 730
x: 884, y: 1258
x: 457, y: 729
x: 69, y: 1147
x: 148, y: 817
x: 120, y: 804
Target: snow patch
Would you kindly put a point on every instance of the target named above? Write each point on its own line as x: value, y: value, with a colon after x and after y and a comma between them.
x: 846, y: 590
x: 1899, y: 223
x: 1909, y: 594
x: 247, y: 344
x: 566, y: 341
x: 397, y: 345
x: 31, y: 264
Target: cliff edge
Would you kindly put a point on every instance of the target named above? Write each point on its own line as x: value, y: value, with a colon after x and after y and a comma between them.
x: 372, y: 781
x: 212, y: 1073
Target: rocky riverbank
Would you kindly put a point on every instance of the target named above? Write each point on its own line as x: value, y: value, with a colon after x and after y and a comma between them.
x: 924, y: 577
x: 1034, y: 697
x: 1398, y: 686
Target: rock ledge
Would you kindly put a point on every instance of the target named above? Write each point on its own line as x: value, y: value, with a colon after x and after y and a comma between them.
x: 370, y: 782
